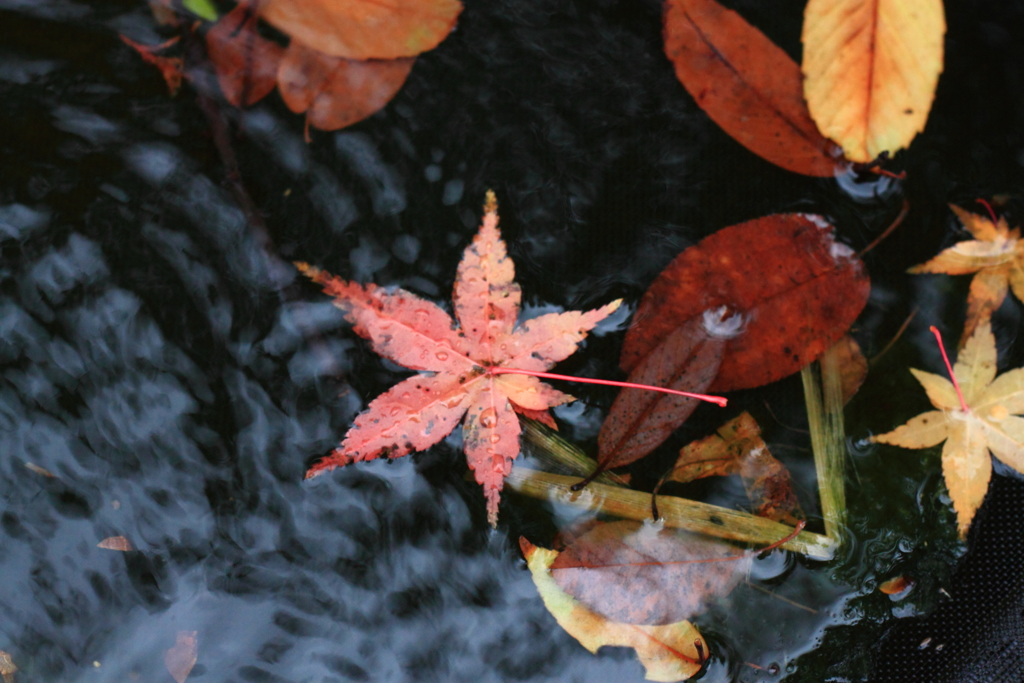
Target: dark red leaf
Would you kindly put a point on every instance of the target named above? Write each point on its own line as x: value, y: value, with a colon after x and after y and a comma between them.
x: 639, y: 421
x: 245, y: 62
x: 794, y: 287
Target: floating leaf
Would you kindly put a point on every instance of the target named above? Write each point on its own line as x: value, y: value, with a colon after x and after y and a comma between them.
x: 460, y: 364
x: 336, y: 92
x: 896, y: 585
x: 364, y: 29
x: 780, y: 285
x: 668, y: 652
x: 870, y: 68
x: 747, y: 85
x: 738, y: 448
x: 32, y: 467
x: 7, y: 667
x: 639, y: 421
x: 637, y: 573
x: 853, y: 366
x: 995, y: 256
x: 180, y: 659
x: 116, y: 543
x: 990, y: 424
x: 171, y: 68
x: 245, y: 62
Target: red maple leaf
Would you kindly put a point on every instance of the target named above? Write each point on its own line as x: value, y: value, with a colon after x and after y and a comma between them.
x: 466, y: 369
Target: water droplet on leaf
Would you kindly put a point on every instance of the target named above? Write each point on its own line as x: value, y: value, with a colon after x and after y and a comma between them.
x: 489, y: 418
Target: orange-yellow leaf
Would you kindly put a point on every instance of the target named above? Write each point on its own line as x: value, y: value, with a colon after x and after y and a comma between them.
x: 995, y: 256
x: 747, y: 85
x: 870, y: 68
x: 990, y: 425
x: 336, y: 92
x: 364, y: 29
x: 668, y: 652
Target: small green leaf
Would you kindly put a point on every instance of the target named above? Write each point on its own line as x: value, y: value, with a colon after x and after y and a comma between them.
x: 201, y: 8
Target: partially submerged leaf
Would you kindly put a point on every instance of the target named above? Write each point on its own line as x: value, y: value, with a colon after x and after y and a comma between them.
x: 115, y: 543
x: 747, y: 85
x: 781, y: 287
x: 871, y: 67
x: 180, y: 659
x: 896, y: 585
x: 990, y: 425
x: 637, y: 573
x: 245, y: 62
x: 995, y: 256
x: 32, y: 467
x: 458, y: 363
x: 335, y: 92
x: 171, y: 68
x: 853, y: 366
x: 364, y: 29
x: 639, y: 420
x: 668, y: 652
x: 7, y: 667
x: 738, y: 448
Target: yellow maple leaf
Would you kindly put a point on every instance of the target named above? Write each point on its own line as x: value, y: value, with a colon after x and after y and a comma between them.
x: 995, y: 255
x: 985, y: 421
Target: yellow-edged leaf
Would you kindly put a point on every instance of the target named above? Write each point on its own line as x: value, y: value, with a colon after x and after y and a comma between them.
x: 870, y: 70
x: 996, y: 256
x: 668, y: 652
x: 990, y: 424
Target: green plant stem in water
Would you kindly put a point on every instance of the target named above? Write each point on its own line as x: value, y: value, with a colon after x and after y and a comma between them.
x: 676, y: 512
x: 823, y: 395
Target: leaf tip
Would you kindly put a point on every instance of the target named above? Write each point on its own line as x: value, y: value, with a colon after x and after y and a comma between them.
x: 490, y: 202
x: 528, y: 548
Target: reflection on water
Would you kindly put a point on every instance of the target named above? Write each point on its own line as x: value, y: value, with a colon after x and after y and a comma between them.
x: 159, y: 359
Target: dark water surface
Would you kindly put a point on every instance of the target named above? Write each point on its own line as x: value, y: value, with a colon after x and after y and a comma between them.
x: 159, y: 357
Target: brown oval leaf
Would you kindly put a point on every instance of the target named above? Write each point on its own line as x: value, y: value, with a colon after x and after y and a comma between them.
x: 797, y: 289
x: 245, y: 62
x: 747, y: 85
x: 640, y: 420
x: 116, y: 543
x: 364, y: 29
x: 638, y: 574
x: 336, y: 92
